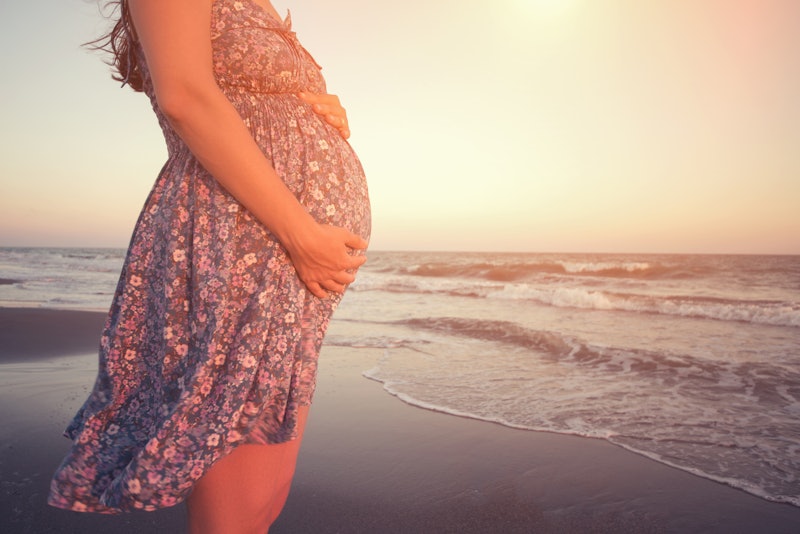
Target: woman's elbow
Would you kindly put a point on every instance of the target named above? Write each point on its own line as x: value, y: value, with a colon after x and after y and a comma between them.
x: 180, y: 102
x: 175, y: 103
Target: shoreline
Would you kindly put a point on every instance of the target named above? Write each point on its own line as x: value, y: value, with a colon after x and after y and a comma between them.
x: 734, y: 484
x: 369, y: 462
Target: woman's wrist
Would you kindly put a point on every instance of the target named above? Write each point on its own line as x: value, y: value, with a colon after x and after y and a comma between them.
x: 293, y: 231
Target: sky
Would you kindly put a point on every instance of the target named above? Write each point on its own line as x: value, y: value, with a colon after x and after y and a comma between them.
x: 642, y: 126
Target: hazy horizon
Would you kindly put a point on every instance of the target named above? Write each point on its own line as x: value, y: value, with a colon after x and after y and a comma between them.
x: 454, y: 251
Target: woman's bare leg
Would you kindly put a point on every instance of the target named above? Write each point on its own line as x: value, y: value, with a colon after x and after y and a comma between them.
x: 244, y: 492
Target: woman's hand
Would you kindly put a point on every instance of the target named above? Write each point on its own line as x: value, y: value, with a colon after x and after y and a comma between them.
x: 329, y: 107
x: 323, y: 257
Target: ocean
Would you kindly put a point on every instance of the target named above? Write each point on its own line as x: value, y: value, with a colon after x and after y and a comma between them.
x: 691, y: 360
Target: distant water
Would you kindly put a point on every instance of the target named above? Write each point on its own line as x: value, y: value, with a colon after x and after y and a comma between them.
x: 64, y: 278
x: 691, y: 360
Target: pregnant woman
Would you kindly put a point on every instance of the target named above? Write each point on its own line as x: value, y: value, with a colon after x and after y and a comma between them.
x: 254, y: 228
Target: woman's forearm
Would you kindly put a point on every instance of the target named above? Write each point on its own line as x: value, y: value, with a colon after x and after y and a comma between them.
x: 219, y: 139
x: 175, y: 35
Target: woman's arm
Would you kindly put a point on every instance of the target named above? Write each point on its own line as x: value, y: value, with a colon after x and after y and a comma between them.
x: 175, y: 35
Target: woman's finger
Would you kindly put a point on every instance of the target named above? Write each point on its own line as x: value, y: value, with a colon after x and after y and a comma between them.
x: 356, y: 242
x: 316, y: 290
x: 334, y: 286
x: 329, y: 107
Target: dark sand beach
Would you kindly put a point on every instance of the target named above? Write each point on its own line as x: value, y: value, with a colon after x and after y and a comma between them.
x: 370, y: 463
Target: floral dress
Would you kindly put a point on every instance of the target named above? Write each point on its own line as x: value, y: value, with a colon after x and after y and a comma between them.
x: 212, y: 340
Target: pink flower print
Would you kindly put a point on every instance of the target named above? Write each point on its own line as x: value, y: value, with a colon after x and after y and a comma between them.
x: 212, y: 440
x: 204, y: 264
x: 197, y: 471
x: 250, y: 285
x: 182, y: 349
x: 152, y: 446
x: 130, y: 354
x: 134, y: 486
x: 136, y: 281
x: 179, y: 255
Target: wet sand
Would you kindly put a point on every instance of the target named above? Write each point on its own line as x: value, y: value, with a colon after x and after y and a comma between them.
x: 370, y: 463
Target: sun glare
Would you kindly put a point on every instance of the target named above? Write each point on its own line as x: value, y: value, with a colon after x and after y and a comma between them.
x: 546, y: 6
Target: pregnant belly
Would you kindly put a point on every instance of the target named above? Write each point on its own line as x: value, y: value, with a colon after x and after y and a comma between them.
x: 334, y: 187
x: 317, y: 165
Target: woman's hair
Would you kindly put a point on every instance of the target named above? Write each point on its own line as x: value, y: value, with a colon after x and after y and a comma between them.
x: 119, y: 44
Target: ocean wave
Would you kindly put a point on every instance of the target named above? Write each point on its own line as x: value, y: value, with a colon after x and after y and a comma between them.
x: 762, y: 311
x: 782, y: 387
x: 498, y: 331
x: 511, y: 271
x: 776, y: 313
x: 726, y: 420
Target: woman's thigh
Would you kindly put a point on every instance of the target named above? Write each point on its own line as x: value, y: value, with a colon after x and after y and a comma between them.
x: 245, y: 491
